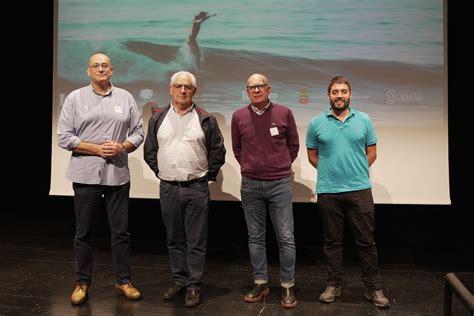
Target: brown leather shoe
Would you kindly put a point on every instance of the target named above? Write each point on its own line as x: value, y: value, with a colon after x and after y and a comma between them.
x: 79, y: 295
x: 173, y: 291
x: 257, y: 293
x: 128, y: 290
x: 192, y: 298
x: 288, y: 299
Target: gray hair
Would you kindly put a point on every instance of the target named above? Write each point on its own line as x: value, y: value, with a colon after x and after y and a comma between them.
x: 183, y: 73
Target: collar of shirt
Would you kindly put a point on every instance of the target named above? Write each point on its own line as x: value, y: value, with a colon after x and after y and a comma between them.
x: 331, y: 112
x: 187, y: 110
x: 258, y: 111
x: 105, y: 94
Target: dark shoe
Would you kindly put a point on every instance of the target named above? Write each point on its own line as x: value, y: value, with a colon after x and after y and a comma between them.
x: 288, y: 299
x: 128, y: 290
x: 330, y: 294
x: 173, y: 291
x: 79, y: 295
x: 378, y: 298
x: 192, y: 298
x: 256, y: 294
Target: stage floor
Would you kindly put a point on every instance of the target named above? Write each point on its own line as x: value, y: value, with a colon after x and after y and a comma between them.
x: 36, y: 277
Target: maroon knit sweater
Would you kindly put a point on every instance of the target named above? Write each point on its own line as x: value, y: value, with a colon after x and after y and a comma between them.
x: 262, y: 156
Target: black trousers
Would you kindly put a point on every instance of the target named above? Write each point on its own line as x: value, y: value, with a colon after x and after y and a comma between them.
x: 358, y: 207
x: 185, y: 212
x: 87, y: 206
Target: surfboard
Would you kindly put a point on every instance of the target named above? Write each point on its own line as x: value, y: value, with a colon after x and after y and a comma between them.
x: 160, y: 53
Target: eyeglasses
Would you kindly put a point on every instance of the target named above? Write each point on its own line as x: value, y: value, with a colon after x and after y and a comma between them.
x: 262, y: 86
x: 187, y: 87
x: 97, y: 66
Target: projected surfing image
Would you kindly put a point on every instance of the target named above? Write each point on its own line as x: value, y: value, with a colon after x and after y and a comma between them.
x: 391, y: 51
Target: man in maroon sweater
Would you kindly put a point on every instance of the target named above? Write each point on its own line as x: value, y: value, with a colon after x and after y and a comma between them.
x: 265, y: 143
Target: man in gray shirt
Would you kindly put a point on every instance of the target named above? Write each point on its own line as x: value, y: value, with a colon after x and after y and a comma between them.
x: 100, y: 124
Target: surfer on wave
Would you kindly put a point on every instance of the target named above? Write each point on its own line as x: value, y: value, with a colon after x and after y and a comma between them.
x: 191, y: 41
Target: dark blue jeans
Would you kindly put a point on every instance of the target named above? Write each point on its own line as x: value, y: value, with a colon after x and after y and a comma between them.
x: 185, y: 211
x: 358, y: 207
x: 87, y: 205
x: 275, y: 196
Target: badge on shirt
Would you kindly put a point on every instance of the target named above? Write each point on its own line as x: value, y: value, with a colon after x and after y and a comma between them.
x: 118, y: 109
x: 274, y: 131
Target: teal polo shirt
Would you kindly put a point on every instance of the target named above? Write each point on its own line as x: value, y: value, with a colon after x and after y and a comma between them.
x: 342, y: 160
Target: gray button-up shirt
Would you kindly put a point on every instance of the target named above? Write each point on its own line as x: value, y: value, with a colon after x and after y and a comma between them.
x: 90, y: 117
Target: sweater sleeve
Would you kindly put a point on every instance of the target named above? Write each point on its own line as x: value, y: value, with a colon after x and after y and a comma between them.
x: 292, y: 137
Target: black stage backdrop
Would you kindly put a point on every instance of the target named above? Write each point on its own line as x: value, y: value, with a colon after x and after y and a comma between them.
x: 433, y: 234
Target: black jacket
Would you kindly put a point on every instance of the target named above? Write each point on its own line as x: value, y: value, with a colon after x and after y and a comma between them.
x: 214, y: 141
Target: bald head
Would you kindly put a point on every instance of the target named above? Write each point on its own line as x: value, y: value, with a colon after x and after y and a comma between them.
x: 258, y: 90
x: 257, y: 78
x: 99, y: 56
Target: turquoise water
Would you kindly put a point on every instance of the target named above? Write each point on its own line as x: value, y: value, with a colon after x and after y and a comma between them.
x: 383, y: 45
x: 390, y: 30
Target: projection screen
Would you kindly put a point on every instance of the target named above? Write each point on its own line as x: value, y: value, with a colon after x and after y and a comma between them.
x: 392, y: 51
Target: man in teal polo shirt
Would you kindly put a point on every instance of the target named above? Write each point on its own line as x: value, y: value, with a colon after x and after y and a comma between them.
x: 342, y: 144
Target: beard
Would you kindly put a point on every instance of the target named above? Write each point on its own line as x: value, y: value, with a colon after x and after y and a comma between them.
x: 339, y: 108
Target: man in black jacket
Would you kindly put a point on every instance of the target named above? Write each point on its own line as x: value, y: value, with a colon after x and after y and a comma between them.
x: 185, y: 149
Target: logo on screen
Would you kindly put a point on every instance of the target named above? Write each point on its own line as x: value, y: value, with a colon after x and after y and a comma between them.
x: 303, y: 96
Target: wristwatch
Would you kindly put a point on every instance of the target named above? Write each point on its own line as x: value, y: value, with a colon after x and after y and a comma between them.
x: 124, y: 150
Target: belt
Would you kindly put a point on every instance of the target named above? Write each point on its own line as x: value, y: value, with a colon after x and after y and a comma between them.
x: 184, y: 183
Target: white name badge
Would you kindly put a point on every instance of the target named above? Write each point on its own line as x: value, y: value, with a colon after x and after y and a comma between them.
x: 118, y: 109
x: 274, y: 131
